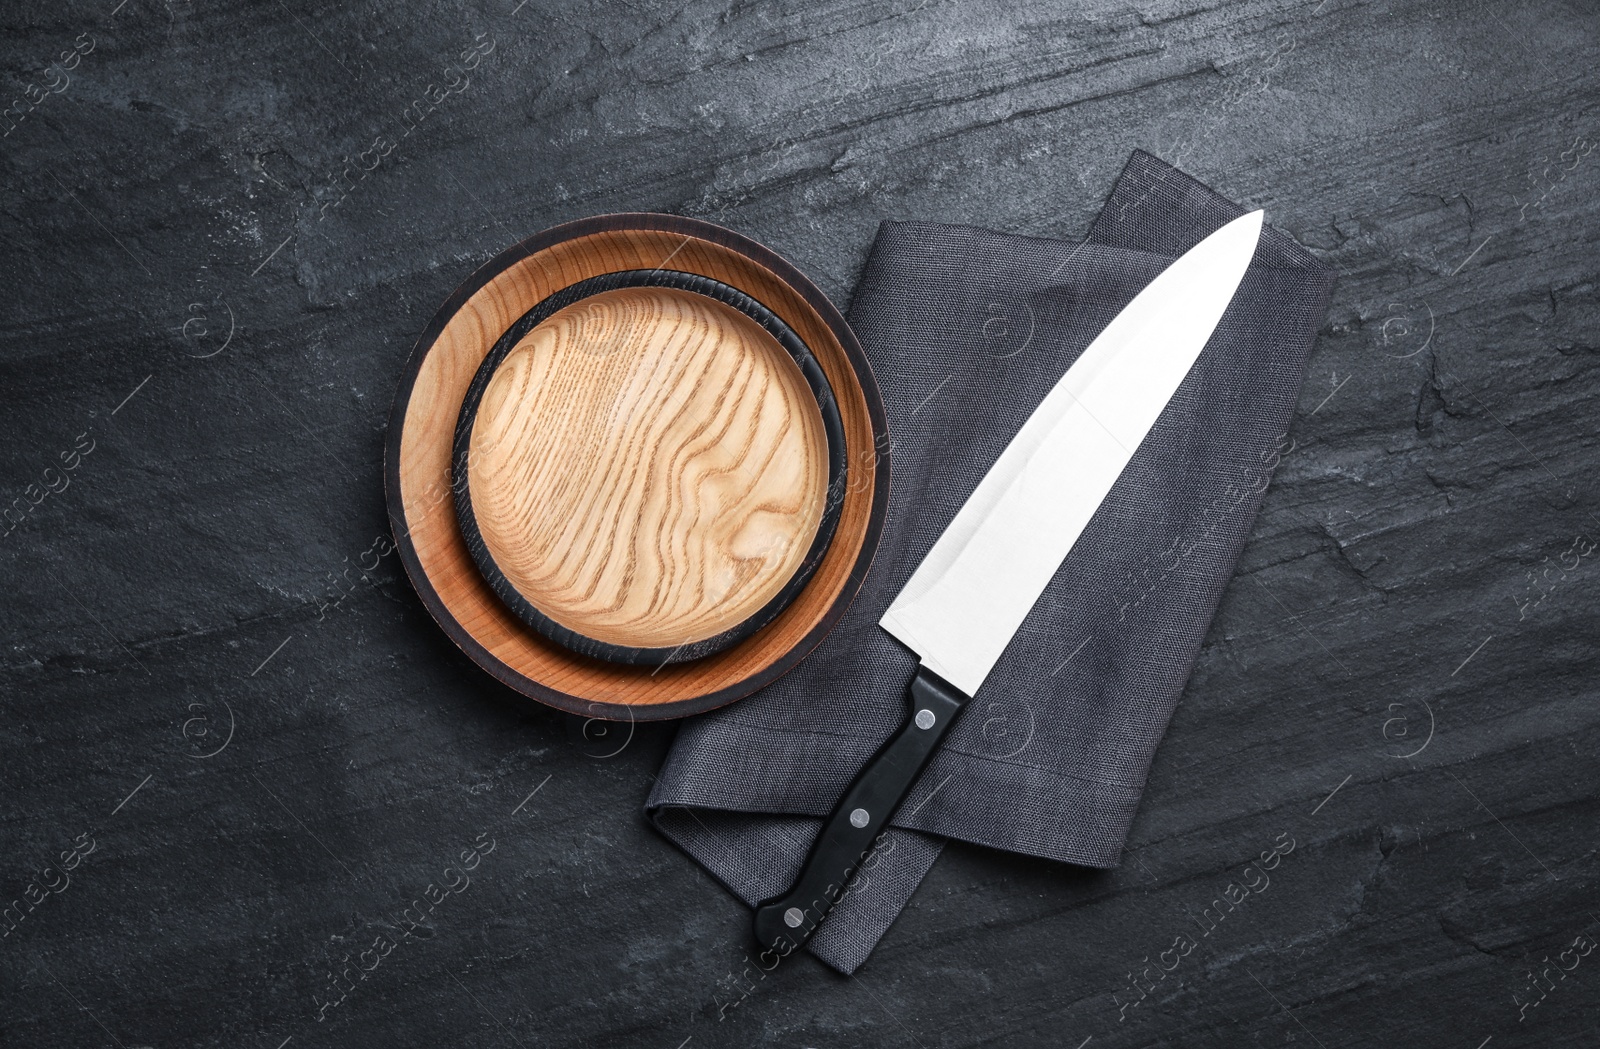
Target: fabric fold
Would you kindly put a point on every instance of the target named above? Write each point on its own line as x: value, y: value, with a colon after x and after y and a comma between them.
x: 967, y: 330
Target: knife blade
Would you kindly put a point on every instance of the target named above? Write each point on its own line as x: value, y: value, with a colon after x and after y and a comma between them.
x: 974, y: 588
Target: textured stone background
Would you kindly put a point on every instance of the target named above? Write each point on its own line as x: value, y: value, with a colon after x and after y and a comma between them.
x: 1401, y: 680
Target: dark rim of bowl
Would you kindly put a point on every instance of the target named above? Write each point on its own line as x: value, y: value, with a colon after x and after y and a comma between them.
x: 832, y: 424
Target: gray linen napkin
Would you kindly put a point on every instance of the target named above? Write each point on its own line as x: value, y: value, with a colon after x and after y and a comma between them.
x: 967, y: 330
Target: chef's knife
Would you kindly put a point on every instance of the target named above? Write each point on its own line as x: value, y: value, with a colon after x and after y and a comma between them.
x: 972, y: 591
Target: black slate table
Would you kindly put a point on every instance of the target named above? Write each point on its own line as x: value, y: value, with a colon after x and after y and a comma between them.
x: 237, y: 757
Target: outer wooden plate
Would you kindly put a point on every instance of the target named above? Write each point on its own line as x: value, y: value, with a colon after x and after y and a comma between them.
x: 648, y: 466
x: 418, y: 466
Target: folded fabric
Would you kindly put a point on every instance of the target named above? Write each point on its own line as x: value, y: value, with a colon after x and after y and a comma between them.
x: 967, y: 330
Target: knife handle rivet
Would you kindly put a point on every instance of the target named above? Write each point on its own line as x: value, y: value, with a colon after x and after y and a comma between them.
x: 859, y: 818
x: 925, y: 718
x: 793, y: 917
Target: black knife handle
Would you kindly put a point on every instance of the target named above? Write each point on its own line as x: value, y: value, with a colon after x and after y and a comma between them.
x: 787, y: 921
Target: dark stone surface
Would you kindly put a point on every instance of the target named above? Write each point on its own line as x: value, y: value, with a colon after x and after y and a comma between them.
x: 1401, y: 679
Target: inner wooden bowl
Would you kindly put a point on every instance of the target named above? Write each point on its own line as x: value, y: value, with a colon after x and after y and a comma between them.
x: 420, y: 447
x: 643, y: 463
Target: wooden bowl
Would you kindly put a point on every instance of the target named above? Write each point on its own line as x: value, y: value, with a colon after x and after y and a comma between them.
x: 647, y: 466
x: 420, y: 484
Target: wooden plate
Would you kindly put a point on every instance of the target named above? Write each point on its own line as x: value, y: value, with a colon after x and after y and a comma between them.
x: 418, y: 466
x: 647, y: 466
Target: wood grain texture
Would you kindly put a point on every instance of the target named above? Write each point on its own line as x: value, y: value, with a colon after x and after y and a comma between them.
x: 648, y: 467
x: 419, y: 466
